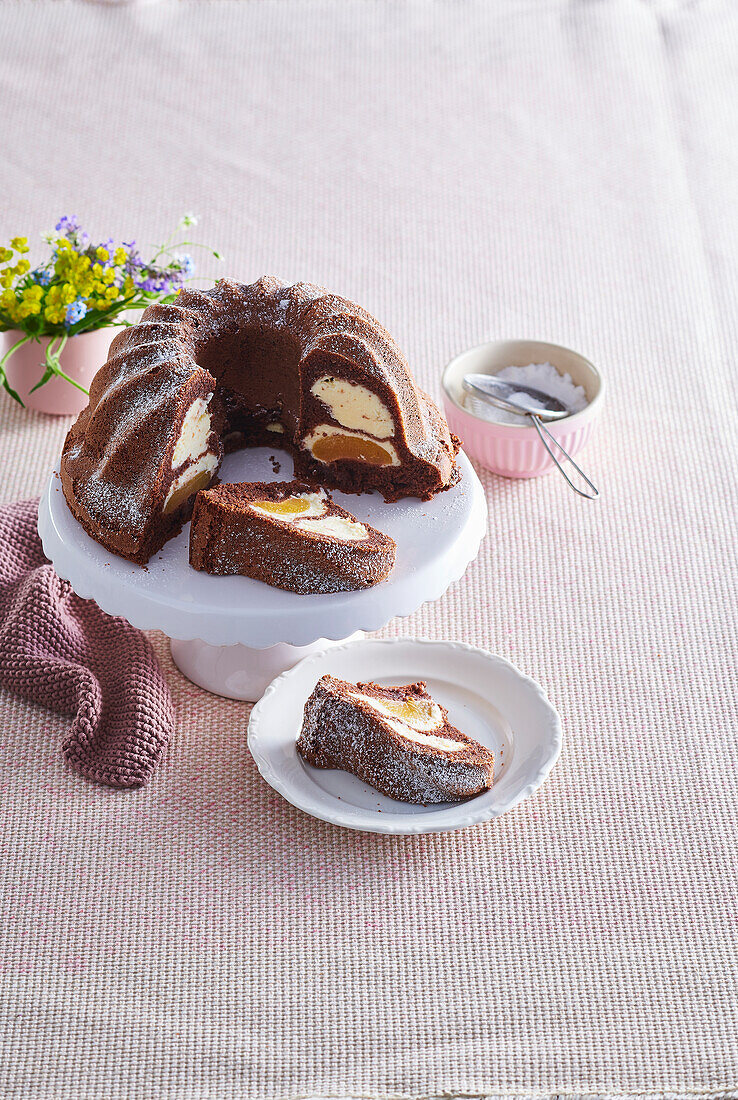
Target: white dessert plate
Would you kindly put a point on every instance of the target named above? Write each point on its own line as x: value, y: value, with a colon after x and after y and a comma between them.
x: 486, y: 697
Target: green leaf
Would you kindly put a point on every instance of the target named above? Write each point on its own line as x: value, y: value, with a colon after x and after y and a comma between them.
x: 47, y: 375
x: 8, y: 389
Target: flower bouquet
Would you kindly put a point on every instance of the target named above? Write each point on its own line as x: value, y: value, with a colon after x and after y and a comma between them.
x: 81, y: 289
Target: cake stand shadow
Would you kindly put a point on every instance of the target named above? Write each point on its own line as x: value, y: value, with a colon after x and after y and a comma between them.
x: 233, y: 635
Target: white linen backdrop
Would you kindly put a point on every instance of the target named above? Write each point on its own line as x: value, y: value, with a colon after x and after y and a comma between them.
x: 560, y: 170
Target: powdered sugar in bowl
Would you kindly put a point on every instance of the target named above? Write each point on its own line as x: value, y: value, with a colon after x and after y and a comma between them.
x: 513, y: 448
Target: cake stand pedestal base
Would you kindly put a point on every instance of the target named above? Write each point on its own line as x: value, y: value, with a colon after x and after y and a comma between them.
x: 238, y: 671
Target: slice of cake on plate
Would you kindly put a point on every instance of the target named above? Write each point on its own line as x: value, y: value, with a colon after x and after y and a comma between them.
x: 290, y: 535
x: 397, y: 739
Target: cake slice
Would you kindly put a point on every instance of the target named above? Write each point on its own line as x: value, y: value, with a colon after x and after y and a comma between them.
x: 288, y: 534
x: 397, y: 739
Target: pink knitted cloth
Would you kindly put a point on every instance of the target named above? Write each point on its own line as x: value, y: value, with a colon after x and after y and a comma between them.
x: 67, y: 654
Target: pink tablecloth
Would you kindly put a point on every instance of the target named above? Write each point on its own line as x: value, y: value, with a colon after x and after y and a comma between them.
x: 561, y: 170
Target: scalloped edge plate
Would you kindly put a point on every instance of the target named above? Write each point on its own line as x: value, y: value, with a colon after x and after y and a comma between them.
x: 486, y: 697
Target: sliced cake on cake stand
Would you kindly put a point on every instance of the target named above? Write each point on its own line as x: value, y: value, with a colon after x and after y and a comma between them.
x: 232, y: 635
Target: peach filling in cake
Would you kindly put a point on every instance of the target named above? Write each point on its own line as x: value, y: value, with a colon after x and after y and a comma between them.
x: 354, y: 406
x: 289, y: 507
x: 413, y: 719
x: 329, y: 444
x: 308, y: 513
x: 417, y: 713
x: 191, y: 447
x: 292, y: 508
x: 179, y: 493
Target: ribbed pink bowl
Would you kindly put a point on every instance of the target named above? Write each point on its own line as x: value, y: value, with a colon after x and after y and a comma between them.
x: 510, y: 449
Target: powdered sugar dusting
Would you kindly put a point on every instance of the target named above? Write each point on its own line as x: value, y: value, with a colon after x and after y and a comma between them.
x: 343, y: 732
x: 150, y: 362
x: 113, y: 504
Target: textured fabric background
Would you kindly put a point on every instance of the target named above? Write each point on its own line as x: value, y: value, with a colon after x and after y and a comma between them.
x: 563, y: 170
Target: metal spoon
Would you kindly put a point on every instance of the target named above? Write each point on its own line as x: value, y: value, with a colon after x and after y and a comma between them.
x: 520, y: 399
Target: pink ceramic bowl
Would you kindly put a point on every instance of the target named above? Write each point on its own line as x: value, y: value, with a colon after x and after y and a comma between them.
x: 510, y: 449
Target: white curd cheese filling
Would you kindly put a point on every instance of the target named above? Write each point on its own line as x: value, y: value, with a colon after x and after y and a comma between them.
x: 348, y: 530
x: 427, y: 717
x: 354, y: 406
x: 193, y: 438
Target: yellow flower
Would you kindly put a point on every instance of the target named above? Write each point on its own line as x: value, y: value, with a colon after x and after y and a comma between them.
x: 128, y: 285
x: 109, y: 276
x: 97, y: 270
x: 100, y: 303
x: 69, y: 293
x: 102, y: 253
x: 5, y: 255
x: 33, y: 293
x: 7, y: 298
x: 111, y: 293
x: 22, y: 267
x: 20, y: 244
x: 120, y: 256
x: 6, y: 278
x: 54, y: 314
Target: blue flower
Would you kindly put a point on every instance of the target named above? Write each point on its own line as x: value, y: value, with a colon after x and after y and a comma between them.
x: 67, y: 224
x: 75, y: 312
x: 43, y: 278
x: 134, y: 261
x: 186, y: 265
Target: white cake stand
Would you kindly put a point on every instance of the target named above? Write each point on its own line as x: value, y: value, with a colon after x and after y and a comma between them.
x: 233, y: 635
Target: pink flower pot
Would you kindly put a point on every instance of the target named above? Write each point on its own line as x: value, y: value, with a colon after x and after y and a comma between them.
x: 81, y: 359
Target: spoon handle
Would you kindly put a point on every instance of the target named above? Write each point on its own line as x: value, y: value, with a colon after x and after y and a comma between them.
x: 541, y: 428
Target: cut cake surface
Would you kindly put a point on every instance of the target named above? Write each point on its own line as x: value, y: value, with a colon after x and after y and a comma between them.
x: 397, y: 739
x: 290, y: 535
x: 246, y: 365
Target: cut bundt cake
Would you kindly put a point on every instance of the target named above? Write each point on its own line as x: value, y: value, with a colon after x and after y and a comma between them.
x: 293, y: 366
x: 288, y: 534
x: 396, y: 739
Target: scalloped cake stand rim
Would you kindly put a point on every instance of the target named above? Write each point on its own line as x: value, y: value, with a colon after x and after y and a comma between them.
x: 437, y: 540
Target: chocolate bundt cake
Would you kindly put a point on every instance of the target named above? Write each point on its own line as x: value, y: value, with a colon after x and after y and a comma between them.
x: 396, y: 739
x: 288, y: 534
x: 294, y: 366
